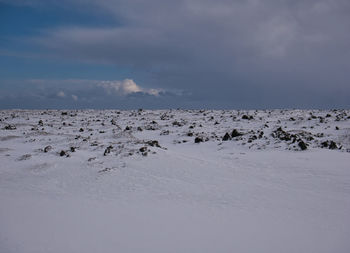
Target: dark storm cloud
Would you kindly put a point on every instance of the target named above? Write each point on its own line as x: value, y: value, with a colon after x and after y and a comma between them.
x: 254, y: 53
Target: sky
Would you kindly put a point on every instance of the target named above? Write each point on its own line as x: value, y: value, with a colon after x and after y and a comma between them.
x: 191, y: 54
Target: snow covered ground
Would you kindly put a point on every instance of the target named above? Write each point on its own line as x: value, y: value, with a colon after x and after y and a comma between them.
x: 175, y: 181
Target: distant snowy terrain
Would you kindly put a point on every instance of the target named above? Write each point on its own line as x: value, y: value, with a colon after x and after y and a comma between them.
x: 175, y: 181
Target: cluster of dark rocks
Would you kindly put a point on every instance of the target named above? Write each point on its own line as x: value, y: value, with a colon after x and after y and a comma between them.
x: 234, y: 133
x: 329, y: 144
x: 247, y: 117
x: 282, y: 135
x: 108, y: 150
x: 10, y: 127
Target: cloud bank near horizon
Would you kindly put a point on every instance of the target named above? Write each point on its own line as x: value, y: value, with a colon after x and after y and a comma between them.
x: 253, y: 54
x: 84, y: 93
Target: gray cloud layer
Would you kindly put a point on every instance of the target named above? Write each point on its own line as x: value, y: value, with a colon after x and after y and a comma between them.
x: 254, y: 53
x: 80, y: 93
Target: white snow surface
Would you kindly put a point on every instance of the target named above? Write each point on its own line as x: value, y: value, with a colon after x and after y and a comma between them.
x: 93, y: 181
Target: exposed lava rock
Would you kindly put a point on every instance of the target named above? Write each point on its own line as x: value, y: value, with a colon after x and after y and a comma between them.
x: 165, y: 132
x: 108, y: 150
x: 247, y: 117
x: 176, y: 123
x: 235, y: 133
x: 226, y: 137
x: 10, y: 127
x: 302, y: 145
x: 329, y: 144
x: 153, y: 143
x: 143, y: 149
x: 47, y: 149
x: 63, y: 153
x: 198, y: 140
x: 281, y: 134
x: 333, y: 145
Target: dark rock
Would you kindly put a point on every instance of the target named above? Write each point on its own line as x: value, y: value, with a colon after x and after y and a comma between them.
x: 64, y: 113
x: 151, y: 127
x: 248, y: 117
x: 198, y: 140
x: 332, y: 145
x: 226, y: 137
x: 252, y: 138
x: 153, y: 143
x: 324, y: 144
x: 127, y: 128
x: 10, y: 127
x: 143, y: 149
x: 302, y: 145
x: 176, y: 123
x: 235, y: 133
x: 165, y: 132
x: 164, y: 116
x: 47, y: 149
x: 63, y: 153
x: 329, y: 144
x: 281, y: 134
x: 105, y: 170
x: 139, y: 129
x: 261, y: 134
x: 108, y: 150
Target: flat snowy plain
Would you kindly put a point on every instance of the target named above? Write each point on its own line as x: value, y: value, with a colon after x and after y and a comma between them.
x: 174, y: 181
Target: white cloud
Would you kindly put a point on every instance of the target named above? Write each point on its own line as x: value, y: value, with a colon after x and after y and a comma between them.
x: 70, y: 87
x: 126, y: 87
